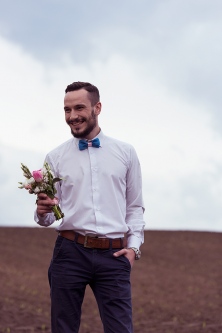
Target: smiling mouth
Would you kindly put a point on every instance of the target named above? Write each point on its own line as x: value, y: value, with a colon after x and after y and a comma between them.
x: 76, y: 123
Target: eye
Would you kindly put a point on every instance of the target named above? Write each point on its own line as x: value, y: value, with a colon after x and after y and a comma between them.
x: 79, y: 108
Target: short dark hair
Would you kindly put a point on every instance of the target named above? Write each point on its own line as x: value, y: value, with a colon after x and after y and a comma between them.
x: 92, y: 90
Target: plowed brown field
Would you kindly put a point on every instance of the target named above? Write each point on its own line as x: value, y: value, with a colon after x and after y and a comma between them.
x: 176, y: 286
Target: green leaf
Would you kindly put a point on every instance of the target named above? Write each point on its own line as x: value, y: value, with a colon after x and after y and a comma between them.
x: 55, y: 180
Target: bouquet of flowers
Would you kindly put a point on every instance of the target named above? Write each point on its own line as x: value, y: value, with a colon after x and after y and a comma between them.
x: 42, y: 181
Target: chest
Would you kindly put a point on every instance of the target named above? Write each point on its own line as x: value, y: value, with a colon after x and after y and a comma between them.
x: 93, y: 164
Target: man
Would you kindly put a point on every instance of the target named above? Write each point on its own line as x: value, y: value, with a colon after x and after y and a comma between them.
x: 101, y: 198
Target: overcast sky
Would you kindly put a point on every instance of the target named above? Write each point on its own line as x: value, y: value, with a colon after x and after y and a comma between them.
x: 157, y: 65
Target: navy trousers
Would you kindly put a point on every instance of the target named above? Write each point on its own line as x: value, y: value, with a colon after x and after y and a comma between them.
x: 72, y: 268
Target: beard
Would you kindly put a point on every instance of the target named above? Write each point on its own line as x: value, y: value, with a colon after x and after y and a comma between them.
x: 91, y: 124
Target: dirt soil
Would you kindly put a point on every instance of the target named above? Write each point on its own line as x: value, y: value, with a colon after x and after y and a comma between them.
x: 176, y: 286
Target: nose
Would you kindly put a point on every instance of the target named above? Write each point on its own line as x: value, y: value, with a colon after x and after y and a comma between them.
x: 73, y: 115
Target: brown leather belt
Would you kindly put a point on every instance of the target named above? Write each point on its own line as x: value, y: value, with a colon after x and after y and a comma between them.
x: 93, y: 242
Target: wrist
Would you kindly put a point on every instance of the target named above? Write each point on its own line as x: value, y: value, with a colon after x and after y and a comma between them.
x: 137, y: 252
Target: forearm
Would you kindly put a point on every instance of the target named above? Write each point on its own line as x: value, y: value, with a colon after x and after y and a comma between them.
x: 136, y: 224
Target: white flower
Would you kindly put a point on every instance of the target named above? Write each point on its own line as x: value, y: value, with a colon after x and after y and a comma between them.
x: 44, y: 171
x: 37, y: 189
x: 46, y: 179
x: 25, y: 183
x: 41, y: 188
x: 30, y: 180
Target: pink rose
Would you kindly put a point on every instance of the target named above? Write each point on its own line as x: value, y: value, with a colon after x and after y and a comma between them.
x: 38, y: 175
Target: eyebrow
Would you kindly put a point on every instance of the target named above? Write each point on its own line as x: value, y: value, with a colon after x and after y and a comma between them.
x: 76, y: 106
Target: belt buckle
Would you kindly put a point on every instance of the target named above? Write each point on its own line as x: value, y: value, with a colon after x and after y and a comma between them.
x: 85, y: 242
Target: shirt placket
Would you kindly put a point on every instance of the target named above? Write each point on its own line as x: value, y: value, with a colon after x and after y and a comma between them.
x: 95, y: 189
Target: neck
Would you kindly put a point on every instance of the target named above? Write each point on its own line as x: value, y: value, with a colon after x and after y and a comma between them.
x: 93, y: 134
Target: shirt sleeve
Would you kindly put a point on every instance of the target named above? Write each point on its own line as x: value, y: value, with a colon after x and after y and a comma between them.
x: 49, y: 218
x: 134, y: 203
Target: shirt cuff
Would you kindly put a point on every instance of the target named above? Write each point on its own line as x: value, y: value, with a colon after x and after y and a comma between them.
x: 44, y: 221
x: 134, y: 241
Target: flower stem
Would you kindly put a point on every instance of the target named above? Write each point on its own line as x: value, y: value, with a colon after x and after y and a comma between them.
x: 57, y: 212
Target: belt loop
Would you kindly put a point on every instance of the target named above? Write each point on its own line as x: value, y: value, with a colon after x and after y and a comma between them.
x: 76, y: 236
x: 122, y: 243
x: 110, y: 244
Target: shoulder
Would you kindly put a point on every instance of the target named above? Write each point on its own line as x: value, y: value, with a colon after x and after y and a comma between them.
x: 61, y: 149
x: 120, y: 150
x: 123, y: 146
x: 117, y: 143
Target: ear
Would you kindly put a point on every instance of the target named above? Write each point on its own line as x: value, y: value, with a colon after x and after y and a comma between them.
x: 97, y: 108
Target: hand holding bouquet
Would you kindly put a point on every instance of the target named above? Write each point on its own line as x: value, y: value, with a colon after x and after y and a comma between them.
x: 42, y: 181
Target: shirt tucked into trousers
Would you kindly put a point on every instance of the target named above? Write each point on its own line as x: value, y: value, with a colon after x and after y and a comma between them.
x: 101, y: 196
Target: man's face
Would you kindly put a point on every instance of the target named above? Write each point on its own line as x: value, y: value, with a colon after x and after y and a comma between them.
x: 80, y: 115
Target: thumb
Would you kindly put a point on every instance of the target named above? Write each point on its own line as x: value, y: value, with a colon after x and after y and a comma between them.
x: 119, y: 253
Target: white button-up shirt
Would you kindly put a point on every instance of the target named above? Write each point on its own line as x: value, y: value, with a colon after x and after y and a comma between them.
x: 101, y: 190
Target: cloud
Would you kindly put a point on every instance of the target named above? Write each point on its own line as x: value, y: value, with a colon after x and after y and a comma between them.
x: 177, y: 42
x: 17, y: 206
x: 149, y: 99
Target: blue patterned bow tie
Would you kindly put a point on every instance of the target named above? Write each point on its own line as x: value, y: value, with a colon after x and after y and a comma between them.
x: 83, y: 144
